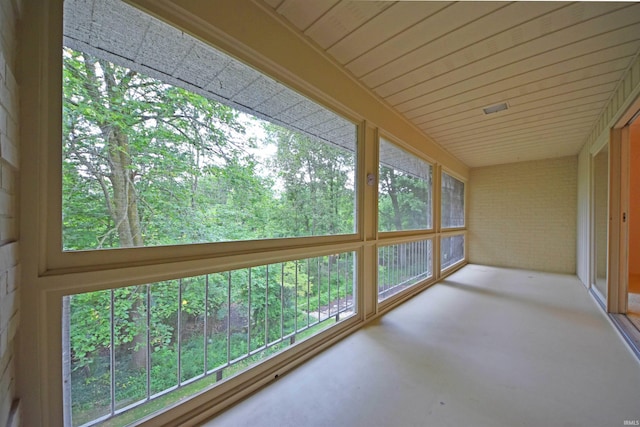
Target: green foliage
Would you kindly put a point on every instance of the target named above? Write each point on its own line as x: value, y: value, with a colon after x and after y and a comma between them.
x: 285, y: 298
x: 147, y: 164
x: 404, y: 201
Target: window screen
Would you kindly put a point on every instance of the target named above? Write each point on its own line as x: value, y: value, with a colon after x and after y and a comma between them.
x: 404, y: 190
x: 452, y: 203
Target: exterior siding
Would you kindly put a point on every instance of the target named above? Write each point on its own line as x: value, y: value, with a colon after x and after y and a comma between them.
x: 523, y: 215
x: 9, y: 259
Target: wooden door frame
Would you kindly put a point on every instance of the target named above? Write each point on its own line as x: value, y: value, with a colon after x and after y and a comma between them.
x: 619, y: 195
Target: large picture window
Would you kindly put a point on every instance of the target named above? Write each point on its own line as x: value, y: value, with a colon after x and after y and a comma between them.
x: 163, y: 147
x: 169, y: 141
x: 404, y: 190
x: 199, y: 227
x: 452, y: 202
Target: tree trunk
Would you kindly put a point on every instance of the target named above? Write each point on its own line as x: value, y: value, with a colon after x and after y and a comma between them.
x: 124, y: 206
x: 397, y: 217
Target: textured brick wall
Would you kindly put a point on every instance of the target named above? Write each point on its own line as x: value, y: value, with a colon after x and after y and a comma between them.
x: 523, y: 215
x: 9, y: 265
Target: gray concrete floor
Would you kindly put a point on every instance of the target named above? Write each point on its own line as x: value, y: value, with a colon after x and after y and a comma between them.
x: 486, y: 347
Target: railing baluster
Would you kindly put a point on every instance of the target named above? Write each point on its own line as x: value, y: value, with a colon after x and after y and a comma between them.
x: 346, y: 276
x: 416, y: 258
x: 179, y: 335
x: 308, y: 292
x: 228, y: 316
x: 396, y: 258
x: 295, y: 312
x: 387, y: 262
x: 206, y: 323
x: 148, y: 341
x: 349, y: 266
x: 281, y: 300
x: 248, y: 317
x: 266, y: 309
x: 341, y: 271
x: 421, y: 258
x: 329, y: 274
x: 319, y: 280
x: 338, y: 280
x: 112, y: 354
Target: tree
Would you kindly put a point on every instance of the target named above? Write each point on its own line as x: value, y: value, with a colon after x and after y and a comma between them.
x: 144, y: 149
x: 404, y: 200
x: 318, y: 197
x: 146, y: 163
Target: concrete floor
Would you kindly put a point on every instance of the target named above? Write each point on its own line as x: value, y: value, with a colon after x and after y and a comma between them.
x: 487, y: 347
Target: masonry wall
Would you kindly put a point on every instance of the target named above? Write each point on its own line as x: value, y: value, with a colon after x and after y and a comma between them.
x: 583, y: 263
x: 9, y: 262
x: 523, y: 215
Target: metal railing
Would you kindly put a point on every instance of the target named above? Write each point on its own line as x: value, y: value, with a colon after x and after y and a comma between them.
x: 451, y: 250
x: 131, y: 346
x: 402, y: 266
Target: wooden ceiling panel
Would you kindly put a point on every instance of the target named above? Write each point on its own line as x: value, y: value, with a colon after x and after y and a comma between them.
x: 303, y: 13
x: 274, y: 3
x: 479, y: 124
x: 394, y: 20
x: 528, y: 124
x: 545, y: 105
x: 598, y: 84
x: 534, y: 80
x: 563, y: 131
x: 439, y: 63
x: 342, y: 19
x: 559, y: 86
x: 519, y: 69
x: 498, y: 67
x: 448, y: 19
x: 481, y: 38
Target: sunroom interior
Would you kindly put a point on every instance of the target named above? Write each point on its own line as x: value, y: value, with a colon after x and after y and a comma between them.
x: 475, y: 266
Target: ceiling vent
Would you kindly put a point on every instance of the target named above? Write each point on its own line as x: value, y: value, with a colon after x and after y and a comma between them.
x: 495, y: 108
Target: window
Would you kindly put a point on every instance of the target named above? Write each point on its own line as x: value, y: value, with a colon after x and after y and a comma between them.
x: 451, y: 251
x: 237, y: 264
x: 404, y: 190
x: 197, y: 148
x: 402, y: 266
x: 167, y: 141
x: 452, y: 203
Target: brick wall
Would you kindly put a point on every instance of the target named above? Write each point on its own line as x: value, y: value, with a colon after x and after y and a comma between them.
x: 9, y: 265
x: 523, y: 215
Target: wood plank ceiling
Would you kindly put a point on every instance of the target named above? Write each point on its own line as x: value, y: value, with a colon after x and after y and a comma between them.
x: 555, y: 64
